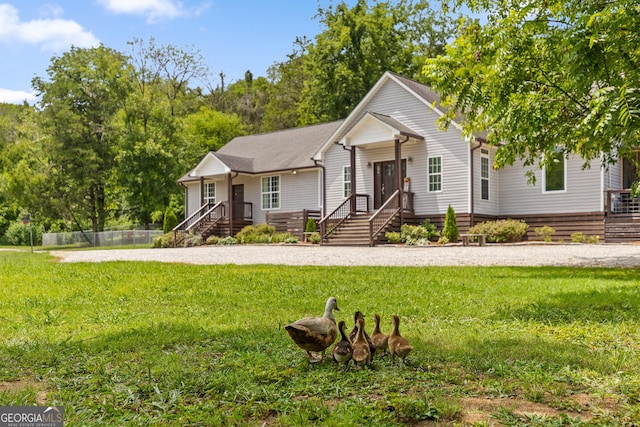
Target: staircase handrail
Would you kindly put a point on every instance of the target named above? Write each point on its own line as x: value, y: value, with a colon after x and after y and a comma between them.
x: 209, y: 215
x: 341, y: 214
x: 378, y: 222
x: 189, y: 223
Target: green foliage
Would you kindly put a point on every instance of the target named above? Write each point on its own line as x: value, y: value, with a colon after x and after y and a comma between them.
x: 418, y: 234
x: 310, y: 226
x: 393, y: 237
x: 314, y: 238
x: 358, y: 44
x: 501, y: 231
x: 450, y: 230
x: 257, y: 233
x: 545, y: 76
x: 168, y: 350
x: 19, y: 234
x: 229, y: 240
x: 170, y: 220
x: 545, y: 233
x: 166, y: 241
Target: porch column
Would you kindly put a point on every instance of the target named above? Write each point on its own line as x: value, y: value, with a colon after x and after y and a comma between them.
x: 354, y: 205
x: 201, y: 190
x: 230, y: 202
x: 398, y: 161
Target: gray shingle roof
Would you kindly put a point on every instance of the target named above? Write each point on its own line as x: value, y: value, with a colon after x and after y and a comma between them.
x: 280, y: 150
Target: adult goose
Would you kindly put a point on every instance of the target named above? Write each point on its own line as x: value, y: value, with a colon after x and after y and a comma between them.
x: 343, y: 350
x: 398, y: 345
x: 380, y: 341
x: 315, y: 334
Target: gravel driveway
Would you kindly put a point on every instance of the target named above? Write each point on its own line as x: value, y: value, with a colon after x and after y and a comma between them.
x: 526, y: 254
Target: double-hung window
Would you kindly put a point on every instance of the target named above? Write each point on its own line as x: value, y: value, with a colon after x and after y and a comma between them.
x: 435, y: 174
x: 271, y: 192
x: 555, y: 173
x: 484, y: 174
x: 210, y: 193
x: 346, y: 181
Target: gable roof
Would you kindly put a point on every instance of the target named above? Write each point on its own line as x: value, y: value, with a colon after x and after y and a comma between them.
x: 268, y: 152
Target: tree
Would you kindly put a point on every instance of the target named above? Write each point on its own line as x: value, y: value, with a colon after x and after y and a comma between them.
x: 285, y: 93
x: 359, y: 44
x: 450, y: 230
x: 543, y: 77
x: 86, y: 88
x: 208, y: 130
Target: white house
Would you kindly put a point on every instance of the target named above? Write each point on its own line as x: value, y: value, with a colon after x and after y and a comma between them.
x: 388, y: 163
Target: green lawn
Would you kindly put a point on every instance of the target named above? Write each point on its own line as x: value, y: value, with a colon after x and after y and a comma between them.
x: 127, y: 343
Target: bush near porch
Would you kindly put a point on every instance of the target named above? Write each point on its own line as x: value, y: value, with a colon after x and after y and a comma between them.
x: 501, y: 231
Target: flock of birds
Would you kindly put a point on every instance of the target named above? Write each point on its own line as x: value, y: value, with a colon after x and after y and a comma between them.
x: 316, y: 334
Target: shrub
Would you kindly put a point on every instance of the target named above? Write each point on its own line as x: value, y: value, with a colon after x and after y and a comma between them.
x: 191, y: 241
x: 212, y: 240
x: 311, y: 226
x: 260, y: 233
x: 414, y: 234
x: 545, y: 233
x: 501, y: 231
x: 578, y: 237
x: 393, y: 237
x: 229, y: 240
x: 170, y: 220
x: 19, y: 234
x: 164, y: 241
x: 450, y: 230
x: 314, y: 238
x: 432, y: 231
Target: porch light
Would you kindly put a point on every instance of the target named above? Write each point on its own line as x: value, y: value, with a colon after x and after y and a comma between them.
x: 410, y: 159
x: 369, y: 165
x: 293, y: 172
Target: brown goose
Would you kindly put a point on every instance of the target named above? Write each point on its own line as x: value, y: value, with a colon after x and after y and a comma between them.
x: 343, y: 350
x: 315, y: 333
x: 398, y: 345
x: 352, y: 335
x: 380, y: 341
x: 361, y: 351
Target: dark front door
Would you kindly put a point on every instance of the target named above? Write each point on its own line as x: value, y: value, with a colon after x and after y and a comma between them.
x: 385, y: 181
x: 238, y: 201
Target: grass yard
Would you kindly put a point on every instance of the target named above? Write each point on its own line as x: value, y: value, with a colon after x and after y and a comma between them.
x: 120, y: 344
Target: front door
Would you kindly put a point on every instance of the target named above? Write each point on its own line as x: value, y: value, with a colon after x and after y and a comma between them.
x: 238, y: 201
x: 385, y: 181
x: 629, y: 171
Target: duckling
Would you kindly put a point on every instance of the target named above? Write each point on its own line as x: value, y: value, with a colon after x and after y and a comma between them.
x: 343, y: 350
x: 315, y: 334
x: 380, y: 341
x: 398, y: 345
x: 361, y: 352
x: 352, y: 335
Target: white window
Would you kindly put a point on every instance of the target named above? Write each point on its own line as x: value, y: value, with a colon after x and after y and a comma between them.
x: 346, y: 181
x: 210, y: 192
x: 271, y: 192
x: 484, y: 174
x: 435, y: 174
x: 555, y: 174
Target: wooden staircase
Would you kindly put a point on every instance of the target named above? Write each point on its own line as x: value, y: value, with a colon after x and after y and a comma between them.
x: 355, y: 232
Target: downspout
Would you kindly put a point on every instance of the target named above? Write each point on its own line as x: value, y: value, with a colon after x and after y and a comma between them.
x: 324, y: 186
x: 398, y: 159
x: 472, y: 199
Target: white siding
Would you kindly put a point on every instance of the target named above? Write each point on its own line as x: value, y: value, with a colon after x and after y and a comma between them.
x: 491, y: 206
x: 193, y: 198
x: 394, y: 101
x: 582, y: 194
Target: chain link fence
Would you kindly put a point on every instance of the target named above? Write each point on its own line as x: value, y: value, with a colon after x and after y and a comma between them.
x: 103, y: 238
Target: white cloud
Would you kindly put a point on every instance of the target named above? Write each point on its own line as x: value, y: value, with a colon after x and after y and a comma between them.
x: 16, y: 96
x: 154, y: 10
x: 51, y: 34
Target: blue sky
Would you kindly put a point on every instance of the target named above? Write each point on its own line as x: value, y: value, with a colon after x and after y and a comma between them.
x: 232, y: 35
